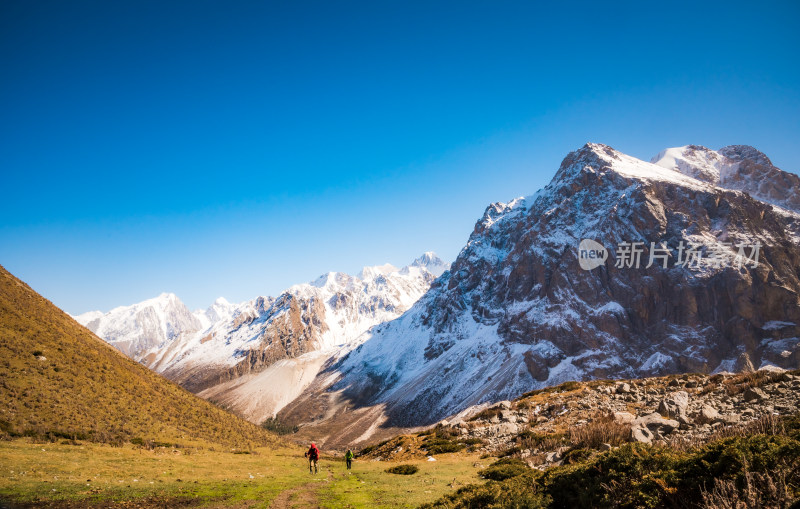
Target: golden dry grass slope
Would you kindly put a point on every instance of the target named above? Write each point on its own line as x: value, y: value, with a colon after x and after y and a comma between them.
x: 57, y: 379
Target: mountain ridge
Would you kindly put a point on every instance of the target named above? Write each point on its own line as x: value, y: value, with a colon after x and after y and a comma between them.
x: 268, y: 347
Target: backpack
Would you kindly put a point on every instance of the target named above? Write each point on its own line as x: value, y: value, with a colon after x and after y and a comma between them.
x: 313, y: 453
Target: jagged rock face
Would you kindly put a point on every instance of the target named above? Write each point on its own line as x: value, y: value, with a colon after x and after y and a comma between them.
x: 517, y: 312
x: 536, y: 292
x: 293, y: 327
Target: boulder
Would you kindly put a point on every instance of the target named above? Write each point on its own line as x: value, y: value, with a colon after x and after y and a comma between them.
x: 652, y: 426
x: 643, y: 435
x: 623, y: 388
x: 707, y: 415
x: 674, y: 406
x: 506, y: 405
x: 508, y: 416
x: 730, y: 419
x: 624, y: 417
x: 503, y: 429
x: 754, y: 394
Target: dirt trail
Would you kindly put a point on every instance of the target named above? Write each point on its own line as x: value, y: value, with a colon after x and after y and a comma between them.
x: 303, y: 496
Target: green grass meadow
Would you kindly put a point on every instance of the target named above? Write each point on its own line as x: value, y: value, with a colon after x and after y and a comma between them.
x: 46, y: 474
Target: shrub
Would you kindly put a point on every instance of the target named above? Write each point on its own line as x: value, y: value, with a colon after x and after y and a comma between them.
x: 443, y: 440
x: 522, y: 491
x: 632, y: 476
x: 442, y: 447
x: 528, y: 439
x: 403, y: 469
x: 503, y: 469
x: 603, y: 429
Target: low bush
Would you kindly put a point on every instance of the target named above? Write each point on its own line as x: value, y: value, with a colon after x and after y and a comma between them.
x: 403, y: 469
x: 370, y: 448
x: 487, y: 414
x: 504, y: 468
x: 603, y: 429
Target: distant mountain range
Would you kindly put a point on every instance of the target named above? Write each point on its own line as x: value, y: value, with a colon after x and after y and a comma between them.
x: 256, y: 356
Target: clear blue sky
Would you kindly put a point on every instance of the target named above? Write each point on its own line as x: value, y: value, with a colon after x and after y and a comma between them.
x: 215, y: 148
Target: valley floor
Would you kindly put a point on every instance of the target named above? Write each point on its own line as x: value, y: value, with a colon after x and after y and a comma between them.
x: 94, y: 475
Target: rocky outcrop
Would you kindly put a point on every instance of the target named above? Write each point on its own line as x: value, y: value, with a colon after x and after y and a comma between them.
x: 709, y: 406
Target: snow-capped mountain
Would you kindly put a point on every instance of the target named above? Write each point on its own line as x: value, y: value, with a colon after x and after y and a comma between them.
x: 524, y: 307
x: 141, y: 327
x: 258, y: 355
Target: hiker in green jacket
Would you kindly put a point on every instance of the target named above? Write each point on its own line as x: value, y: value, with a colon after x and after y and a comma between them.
x: 348, y: 458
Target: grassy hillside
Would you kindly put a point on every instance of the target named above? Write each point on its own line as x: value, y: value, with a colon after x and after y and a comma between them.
x: 58, y: 380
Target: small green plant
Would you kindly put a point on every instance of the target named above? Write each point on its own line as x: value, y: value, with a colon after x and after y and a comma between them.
x: 403, y: 470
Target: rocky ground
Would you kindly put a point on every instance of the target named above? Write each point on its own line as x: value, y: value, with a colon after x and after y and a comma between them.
x: 543, y: 427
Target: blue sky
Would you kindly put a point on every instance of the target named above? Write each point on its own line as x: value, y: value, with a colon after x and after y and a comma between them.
x: 215, y: 148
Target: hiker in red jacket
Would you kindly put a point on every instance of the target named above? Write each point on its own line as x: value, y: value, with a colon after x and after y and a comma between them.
x: 313, y: 456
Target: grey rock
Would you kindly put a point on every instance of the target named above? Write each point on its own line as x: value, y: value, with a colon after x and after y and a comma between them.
x: 643, y: 435
x: 624, y: 417
x: 754, y: 394
x: 674, y: 406
x: 656, y: 423
x: 707, y: 415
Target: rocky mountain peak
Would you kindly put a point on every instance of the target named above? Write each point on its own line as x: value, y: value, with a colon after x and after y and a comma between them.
x: 695, y: 161
x: 432, y: 263
x: 735, y: 167
x: 745, y: 153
